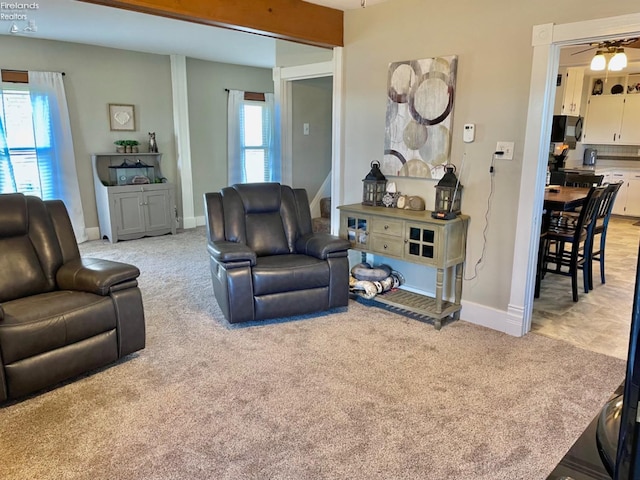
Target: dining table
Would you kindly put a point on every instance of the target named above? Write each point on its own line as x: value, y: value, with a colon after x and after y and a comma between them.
x: 560, y: 198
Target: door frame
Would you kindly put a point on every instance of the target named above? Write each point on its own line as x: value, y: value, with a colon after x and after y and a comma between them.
x: 546, y: 41
x: 282, y: 78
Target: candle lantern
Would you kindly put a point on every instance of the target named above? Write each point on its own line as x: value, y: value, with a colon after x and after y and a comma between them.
x: 448, y: 195
x: 374, y: 186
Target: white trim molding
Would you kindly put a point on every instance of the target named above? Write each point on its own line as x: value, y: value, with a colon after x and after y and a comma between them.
x: 546, y: 41
x: 282, y: 78
x: 183, y: 139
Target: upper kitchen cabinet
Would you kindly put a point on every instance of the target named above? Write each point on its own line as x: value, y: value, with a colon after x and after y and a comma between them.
x: 613, y: 111
x: 572, y: 93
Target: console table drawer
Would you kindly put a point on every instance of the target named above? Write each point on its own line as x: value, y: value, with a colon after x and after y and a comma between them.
x: 387, y: 245
x: 387, y: 227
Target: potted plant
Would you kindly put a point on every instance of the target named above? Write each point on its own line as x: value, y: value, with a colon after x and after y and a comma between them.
x: 126, y: 146
x: 120, y: 146
x: 132, y: 146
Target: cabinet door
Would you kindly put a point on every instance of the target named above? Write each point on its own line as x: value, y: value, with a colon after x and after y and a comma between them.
x: 630, y: 129
x: 422, y: 244
x: 633, y: 196
x: 157, y: 210
x: 573, y: 91
x: 128, y: 213
x: 621, y: 198
x: 355, y: 228
x: 603, y: 118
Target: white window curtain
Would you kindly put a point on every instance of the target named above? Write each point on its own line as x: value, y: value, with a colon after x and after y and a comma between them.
x: 54, y: 146
x: 7, y: 178
x: 237, y: 146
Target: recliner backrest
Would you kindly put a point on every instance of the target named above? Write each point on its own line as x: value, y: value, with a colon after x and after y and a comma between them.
x: 263, y: 216
x: 30, y: 254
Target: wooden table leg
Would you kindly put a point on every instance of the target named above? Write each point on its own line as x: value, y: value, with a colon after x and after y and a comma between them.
x: 439, y: 283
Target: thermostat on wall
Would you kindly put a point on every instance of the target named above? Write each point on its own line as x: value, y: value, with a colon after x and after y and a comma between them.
x: 469, y: 133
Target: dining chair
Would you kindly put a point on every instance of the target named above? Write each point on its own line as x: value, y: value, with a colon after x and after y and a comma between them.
x: 575, y: 180
x: 582, y: 180
x: 569, y: 261
x: 600, y: 226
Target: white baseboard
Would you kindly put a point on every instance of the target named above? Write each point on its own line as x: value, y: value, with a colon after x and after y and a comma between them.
x: 93, y: 233
x: 200, y: 221
x: 189, y: 222
x: 495, y: 319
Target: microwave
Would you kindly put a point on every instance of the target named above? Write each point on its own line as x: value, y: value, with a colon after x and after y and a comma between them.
x: 566, y: 129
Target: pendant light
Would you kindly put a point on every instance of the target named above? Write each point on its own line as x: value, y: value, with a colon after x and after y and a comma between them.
x: 618, y: 61
x: 598, y: 62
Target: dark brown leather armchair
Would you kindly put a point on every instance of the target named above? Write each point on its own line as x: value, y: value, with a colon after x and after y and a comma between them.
x: 60, y: 315
x: 265, y: 260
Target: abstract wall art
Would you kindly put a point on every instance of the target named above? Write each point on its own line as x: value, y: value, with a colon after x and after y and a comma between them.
x: 420, y: 95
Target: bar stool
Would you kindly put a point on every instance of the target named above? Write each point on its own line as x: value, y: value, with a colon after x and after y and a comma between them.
x: 600, y: 228
x: 580, y: 236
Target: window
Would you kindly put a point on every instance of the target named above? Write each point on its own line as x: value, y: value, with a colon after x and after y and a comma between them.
x: 252, y: 144
x: 36, y: 144
x: 17, y: 118
x: 255, y: 142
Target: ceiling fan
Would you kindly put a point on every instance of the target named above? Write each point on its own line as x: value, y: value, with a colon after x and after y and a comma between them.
x: 614, y: 49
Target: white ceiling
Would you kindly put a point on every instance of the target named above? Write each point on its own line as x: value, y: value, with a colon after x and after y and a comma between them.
x: 74, y: 21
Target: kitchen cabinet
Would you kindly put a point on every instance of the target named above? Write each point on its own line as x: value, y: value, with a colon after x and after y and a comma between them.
x: 415, y: 237
x: 603, y: 119
x: 621, y: 199
x: 572, y: 94
x: 130, y: 211
x: 632, y: 204
x: 630, y: 125
x: 614, y: 119
x: 628, y: 199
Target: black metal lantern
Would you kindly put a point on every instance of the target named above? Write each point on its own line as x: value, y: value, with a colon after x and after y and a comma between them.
x: 448, y: 195
x: 374, y: 186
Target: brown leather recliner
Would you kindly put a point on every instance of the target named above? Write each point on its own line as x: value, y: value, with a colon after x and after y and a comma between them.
x: 60, y: 315
x: 265, y: 260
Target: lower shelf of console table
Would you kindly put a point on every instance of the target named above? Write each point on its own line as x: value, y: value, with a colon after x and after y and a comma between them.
x: 417, y: 238
x: 418, y: 304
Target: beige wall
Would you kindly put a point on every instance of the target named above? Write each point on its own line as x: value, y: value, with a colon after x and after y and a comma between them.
x: 208, y: 119
x: 493, y: 42
x: 311, y: 103
x: 95, y: 77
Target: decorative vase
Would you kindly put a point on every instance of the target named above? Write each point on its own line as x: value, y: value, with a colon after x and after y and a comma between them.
x: 127, y: 149
x: 120, y: 149
x: 134, y: 149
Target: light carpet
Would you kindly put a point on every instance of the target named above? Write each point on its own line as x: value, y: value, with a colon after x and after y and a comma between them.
x: 358, y: 393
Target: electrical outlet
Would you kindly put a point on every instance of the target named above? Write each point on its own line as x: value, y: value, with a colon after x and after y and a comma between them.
x: 507, y: 150
x: 305, y: 128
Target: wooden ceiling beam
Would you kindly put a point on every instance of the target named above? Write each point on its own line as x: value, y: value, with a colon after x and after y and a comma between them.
x: 292, y: 20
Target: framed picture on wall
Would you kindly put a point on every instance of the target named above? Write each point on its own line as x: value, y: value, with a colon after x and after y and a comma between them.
x: 122, y: 117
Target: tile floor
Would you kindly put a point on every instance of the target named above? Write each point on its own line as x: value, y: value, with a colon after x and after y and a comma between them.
x: 600, y: 320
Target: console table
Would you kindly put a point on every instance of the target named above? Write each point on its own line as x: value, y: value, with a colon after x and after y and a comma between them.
x: 415, y: 237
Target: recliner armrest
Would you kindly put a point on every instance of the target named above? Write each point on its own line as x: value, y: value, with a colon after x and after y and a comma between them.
x: 322, y: 245
x: 1, y: 313
x: 231, y: 252
x: 94, y: 275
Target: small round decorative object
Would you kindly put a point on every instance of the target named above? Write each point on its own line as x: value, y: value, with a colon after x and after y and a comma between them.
x: 387, y: 199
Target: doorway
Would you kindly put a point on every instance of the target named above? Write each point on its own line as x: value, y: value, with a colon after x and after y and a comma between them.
x: 591, y: 323
x: 548, y: 39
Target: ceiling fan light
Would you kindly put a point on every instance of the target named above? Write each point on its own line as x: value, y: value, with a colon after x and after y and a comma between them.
x: 598, y: 62
x: 618, y: 61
